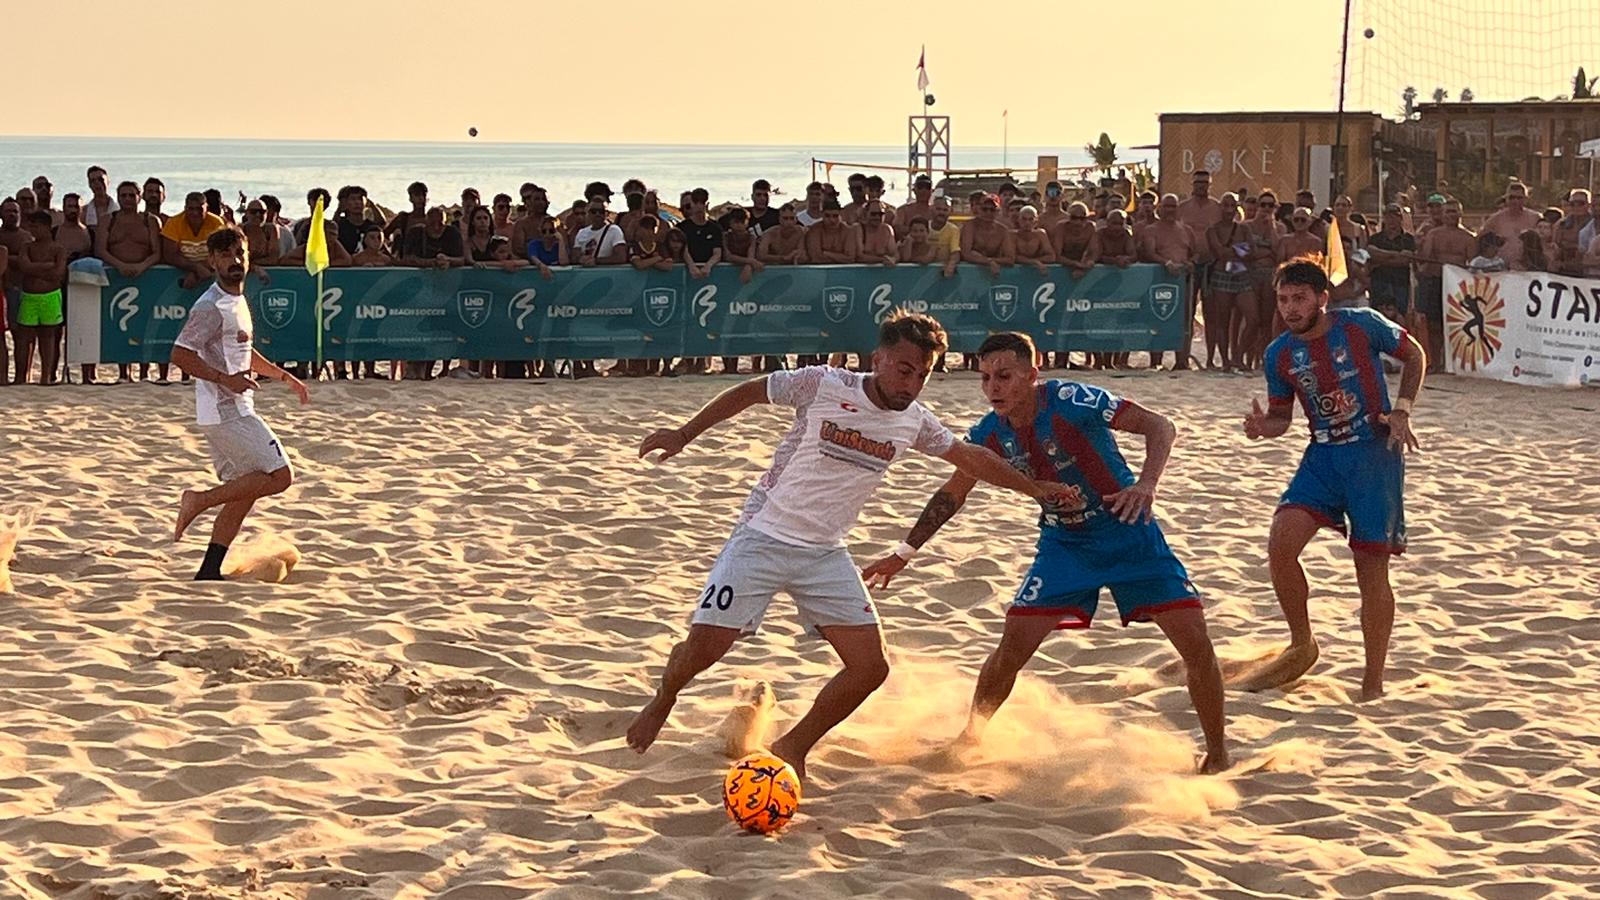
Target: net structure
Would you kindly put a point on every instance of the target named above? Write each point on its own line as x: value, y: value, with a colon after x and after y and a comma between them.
x: 1494, y: 50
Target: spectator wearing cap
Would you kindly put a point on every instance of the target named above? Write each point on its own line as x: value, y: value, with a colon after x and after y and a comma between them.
x: 985, y: 241
x: 920, y: 207
x: 1435, y: 217
x: 1393, y: 249
x: 1575, y: 233
x: 597, y: 189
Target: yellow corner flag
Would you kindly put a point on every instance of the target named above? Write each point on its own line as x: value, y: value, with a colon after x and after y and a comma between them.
x: 1333, y: 260
x: 316, y: 242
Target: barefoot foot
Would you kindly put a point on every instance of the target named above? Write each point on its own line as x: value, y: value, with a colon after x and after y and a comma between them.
x: 647, y: 724
x: 1287, y: 666
x: 189, y: 506
x: 1371, y: 692
x: 1215, y: 761
x: 790, y: 755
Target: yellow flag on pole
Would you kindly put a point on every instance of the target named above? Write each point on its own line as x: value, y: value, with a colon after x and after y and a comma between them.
x: 1333, y: 260
x: 316, y: 242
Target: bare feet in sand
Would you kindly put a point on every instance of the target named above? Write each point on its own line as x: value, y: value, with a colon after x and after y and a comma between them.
x: 1371, y: 693
x: 188, y: 507
x: 788, y: 754
x: 1287, y: 666
x: 1215, y: 761
x: 647, y: 724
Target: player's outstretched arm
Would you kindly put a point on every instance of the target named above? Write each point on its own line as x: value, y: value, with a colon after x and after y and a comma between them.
x: 983, y: 464
x: 191, y: 363
x: 1137, y: 501
x: 725, y: 406
x: 941, y: 508
x: 1413, y: 362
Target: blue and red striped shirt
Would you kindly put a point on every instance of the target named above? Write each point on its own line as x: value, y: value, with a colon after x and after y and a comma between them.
x: 1069, y: 441
x: 1338, y: 377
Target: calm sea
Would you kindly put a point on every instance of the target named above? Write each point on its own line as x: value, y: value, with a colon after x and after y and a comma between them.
x: 289, y: 168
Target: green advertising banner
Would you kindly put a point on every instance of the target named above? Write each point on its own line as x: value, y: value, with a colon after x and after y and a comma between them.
x: 616, y: 312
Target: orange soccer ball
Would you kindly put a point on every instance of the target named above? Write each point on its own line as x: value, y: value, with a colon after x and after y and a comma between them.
x: 761, y: 793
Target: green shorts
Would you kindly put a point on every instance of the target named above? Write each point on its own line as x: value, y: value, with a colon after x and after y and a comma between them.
x: 40, y: 310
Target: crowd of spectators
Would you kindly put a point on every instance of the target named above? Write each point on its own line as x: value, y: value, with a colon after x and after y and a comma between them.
x: 1228, y: 245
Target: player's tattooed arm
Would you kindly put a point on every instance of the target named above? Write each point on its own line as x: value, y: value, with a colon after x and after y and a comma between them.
x: 941, y: 507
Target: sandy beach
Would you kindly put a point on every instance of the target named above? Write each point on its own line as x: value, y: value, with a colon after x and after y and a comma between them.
x: 432, y: 704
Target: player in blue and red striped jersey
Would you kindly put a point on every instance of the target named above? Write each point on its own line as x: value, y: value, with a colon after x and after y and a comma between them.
x: 1352, y: 476
x: 1103, y: 535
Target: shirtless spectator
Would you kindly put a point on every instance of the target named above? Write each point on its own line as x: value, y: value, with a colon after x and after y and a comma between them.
x: 1117, y: 246
x: 877, y: 237
x: 1169, y: 243
x: 101, y: 203
x: 44, y: 194
x: 1301, y: 241
x: 633, y: 213
x: 786, y: 244
x: 814, y: 209
x: 338, y: 257
x: 1435, y: 216
x: 435, y: 245
x: 1510, y: 221
x: 1447, y: 244
x: 984, y: 240
x: 917, y: 246
x: 1032, y: 243
x: 154, y: 195
x: 1054, y: 212
x: 739, y: 244
x: 831, y: 241
x: 921, y: 205
x: 1307, y: 199
x: 1144, y: 212
x: 373, y: 252
x: 183, y: 240
x: 28, y: 203
x: 41, y: 268
x: 874, y: 185
x: 274, y: 220
x: 598, y: 243
x: 1077, y: 242
x: 856, y: 184
x: 945, y: 234
x: 130, y: 240
x: 71, y: 234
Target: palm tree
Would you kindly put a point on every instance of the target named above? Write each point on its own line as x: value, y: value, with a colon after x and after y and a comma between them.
x: 1409, y: 98
x: 1440, y: 95
x: 1583, y: 86
x: 1466, y: 95
x: 1103, y: 153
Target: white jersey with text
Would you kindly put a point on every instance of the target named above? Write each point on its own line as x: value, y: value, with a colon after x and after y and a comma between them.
x: 834, y: 457
x: 219, y: 330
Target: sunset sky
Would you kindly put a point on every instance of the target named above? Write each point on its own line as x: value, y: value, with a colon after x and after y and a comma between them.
x: 826, y: 71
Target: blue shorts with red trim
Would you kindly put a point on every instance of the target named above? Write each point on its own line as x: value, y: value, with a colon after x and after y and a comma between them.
x: 1357, y: 489
x: 1134, y: 561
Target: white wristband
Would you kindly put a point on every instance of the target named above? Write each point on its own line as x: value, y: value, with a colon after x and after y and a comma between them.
x: 1403, y: 404
x: 905, y: 551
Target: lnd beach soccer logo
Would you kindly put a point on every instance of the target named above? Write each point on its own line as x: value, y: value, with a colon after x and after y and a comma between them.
x: 1474, y: 315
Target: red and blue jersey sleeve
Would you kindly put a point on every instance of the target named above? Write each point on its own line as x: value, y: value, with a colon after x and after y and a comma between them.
x: 1383, y: 334
x: 1280, y: 387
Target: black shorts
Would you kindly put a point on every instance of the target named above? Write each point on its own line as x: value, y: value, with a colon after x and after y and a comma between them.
x: 1430, y: 298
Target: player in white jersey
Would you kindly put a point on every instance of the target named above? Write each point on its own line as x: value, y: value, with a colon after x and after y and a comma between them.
x: 216, y: 347
x: 847, y: 429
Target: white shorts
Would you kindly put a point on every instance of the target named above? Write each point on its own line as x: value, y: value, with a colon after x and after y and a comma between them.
x: 243, y: 446
x: 824, y: 582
